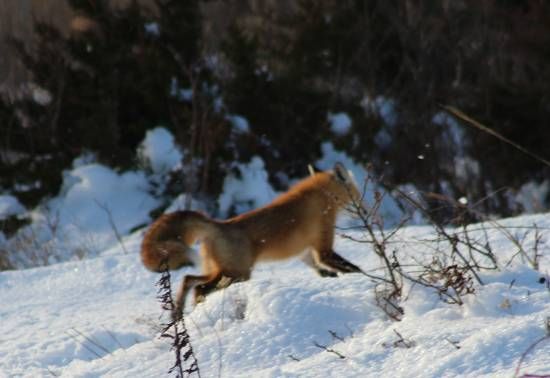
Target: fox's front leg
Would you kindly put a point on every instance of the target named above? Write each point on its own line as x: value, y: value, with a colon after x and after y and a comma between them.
x: 334, y: 261
x: 344, y: 265
x: 324, y: 256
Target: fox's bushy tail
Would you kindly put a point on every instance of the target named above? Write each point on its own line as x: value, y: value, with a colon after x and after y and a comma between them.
x: 168, y: 240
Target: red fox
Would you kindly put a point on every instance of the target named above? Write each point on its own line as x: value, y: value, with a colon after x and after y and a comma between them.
x: 300, y: 221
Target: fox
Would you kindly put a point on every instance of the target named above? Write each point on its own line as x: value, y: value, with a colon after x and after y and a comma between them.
x: 298, y: 223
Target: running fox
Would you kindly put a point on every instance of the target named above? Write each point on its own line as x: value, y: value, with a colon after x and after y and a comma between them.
x: 300, y: 221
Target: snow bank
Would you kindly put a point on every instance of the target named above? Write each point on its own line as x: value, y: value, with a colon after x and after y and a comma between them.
x: 246, y: 190
x: 159, y: 151
x: 10, y: 206
x: 94, y: 195
x: 95, y: 203
x: 531, y: 198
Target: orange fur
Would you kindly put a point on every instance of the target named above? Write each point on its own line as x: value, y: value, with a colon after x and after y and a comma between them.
x: 300, y: 220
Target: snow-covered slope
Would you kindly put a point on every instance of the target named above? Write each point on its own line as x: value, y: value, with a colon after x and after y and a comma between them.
x: 100, y: 318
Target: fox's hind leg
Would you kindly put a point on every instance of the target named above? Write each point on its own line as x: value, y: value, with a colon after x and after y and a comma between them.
x: 310, y: 260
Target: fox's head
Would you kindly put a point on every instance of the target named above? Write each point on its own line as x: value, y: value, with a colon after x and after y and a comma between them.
x: 345, y: 185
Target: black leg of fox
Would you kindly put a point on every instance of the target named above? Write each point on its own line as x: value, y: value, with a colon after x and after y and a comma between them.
x: 336, y: 262
x: 343, y: 265
x: 220, y: 282
x: 326, y: 273
x: 326, y: 256
x: 309, y: 260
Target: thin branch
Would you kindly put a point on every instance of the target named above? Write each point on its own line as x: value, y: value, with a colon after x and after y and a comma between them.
x: 461, y: 115
x: 112, y: 224
x: 324, y: 347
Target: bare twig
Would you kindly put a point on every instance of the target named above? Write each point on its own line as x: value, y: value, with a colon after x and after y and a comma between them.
x: 546, y: 337
x: 401, y: 342
x: 293, y: 358
x: 92, y: 341
x: 324, y: 347
x: 91, y: 350
x: 335, y: 335
x: 453, y: 343
x: 112, y: 223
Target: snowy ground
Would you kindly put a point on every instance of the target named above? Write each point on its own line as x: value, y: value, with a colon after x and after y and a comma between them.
x: 99, y: 318
x: 93, y: 312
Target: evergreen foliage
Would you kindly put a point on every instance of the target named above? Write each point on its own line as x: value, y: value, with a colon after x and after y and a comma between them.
x: 285, y: 66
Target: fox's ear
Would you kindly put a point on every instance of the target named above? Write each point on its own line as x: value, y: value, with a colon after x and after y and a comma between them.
x: 311, y: 170
x: 341, y: 173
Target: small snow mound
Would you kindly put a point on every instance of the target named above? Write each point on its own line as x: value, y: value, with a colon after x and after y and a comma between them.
x: 159, y: 151
x: 94, y: 206
x: 340, y: 123
x: 249, y: 190
x: 9, y: 206
x: 93, y: 191
x: 240, y: 124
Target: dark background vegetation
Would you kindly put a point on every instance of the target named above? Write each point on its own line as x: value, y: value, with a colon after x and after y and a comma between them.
x: 283, y: 65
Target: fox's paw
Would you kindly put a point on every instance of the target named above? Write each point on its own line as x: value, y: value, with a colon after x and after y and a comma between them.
x: 326, y: 273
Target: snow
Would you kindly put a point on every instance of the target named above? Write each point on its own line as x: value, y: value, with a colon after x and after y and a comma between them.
x: 466, y: 168
x: 389, y: 210
x: 9, y: 206
x: 182, y: 94
x: 99, y: 318
x: 381, y: 106
x: 452, y: 129
x: 159, y: 151
x: 152, y: 28
x: 532, y: 197
x: 95, y: 203
x: 248, y: 189
x: 385, y: 109
x: 96, y: 314
x: 340, y: 123
x: 240, y: 124
x: 92, y: 191
x: 40, y: 95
